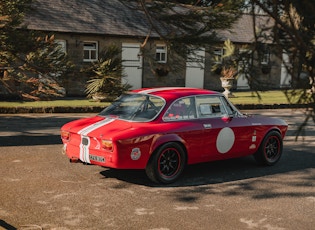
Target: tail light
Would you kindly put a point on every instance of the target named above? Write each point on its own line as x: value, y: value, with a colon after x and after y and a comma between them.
x: 65, y: 135
x: 107, y: 145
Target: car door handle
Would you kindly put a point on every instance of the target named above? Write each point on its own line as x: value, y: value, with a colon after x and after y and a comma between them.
x: 207, y: 126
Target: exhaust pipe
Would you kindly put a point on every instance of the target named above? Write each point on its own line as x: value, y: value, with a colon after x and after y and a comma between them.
x: 74, y: 160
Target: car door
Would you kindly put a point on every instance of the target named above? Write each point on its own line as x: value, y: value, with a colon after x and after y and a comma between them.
x: 227, y: 133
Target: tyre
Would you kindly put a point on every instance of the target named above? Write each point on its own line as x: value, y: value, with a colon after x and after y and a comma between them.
x: 270, y: 149
x: 166, y: 163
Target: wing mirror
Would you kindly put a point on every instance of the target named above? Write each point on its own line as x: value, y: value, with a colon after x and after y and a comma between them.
x: 227, y: 118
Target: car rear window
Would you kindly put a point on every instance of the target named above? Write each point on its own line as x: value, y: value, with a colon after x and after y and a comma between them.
x: 135, y: 107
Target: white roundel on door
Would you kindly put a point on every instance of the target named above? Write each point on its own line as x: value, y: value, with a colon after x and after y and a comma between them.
x: 225, y: 140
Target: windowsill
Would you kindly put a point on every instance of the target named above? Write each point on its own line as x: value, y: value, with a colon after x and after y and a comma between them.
x: 89, y: 60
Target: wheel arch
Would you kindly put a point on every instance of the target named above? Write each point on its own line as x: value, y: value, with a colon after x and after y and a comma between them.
x: 161, y: 140
x: 271, y: 129
x: 261, y: 156
x: 171, y: 167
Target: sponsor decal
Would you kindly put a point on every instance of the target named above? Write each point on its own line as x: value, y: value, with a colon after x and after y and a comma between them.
x: 85, y: 139
x: 135, y: 154
x: 225, y: 140
x: 253, y: 146
x: 254, y: 137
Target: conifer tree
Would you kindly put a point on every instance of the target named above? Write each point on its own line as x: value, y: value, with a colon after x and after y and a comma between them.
x: 31, y: 64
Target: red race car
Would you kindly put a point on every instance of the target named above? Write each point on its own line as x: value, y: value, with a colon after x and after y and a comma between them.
x: 163, y: 129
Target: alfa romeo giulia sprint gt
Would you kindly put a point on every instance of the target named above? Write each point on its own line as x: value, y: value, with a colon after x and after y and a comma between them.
x: 162, y: 130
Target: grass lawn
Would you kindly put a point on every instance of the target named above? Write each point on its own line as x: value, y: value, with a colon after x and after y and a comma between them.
x: 268, y: 97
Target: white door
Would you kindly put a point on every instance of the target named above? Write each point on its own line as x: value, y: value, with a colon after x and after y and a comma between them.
x: 132, y: 63
x: 285, y: 80
x: 242, y: 82
x: 195, y: 66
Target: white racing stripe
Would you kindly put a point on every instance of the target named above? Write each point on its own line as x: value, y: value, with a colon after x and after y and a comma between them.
x: 84, y: 147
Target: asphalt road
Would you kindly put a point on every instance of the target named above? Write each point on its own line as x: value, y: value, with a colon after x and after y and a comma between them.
x: 40, y: 189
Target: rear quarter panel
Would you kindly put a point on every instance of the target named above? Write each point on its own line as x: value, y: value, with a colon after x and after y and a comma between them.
x: 147, y: 138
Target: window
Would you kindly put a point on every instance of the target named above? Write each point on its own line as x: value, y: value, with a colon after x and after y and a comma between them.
x: 265, y: 59
x: 218, y: 55
x: 264, y: 54
x: 161, y: 53
x: 181, y: 109
x: 135, y: 107
x: 62, y: 44
x: 209, y: 106
x: 245, y: 61
x: 90, y: 51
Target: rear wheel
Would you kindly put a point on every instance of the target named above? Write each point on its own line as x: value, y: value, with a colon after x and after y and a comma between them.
x: 270, y: 150
x: 167, y: 163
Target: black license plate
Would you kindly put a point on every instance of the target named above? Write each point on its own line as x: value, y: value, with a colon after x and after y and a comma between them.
x: 97, y: 158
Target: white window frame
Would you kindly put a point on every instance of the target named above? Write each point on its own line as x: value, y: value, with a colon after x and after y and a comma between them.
x: 62, y: 44
x: 92, y: 48
x: 161, y: 53
x: 265, y: 60
x: 218, y: 52
x: 245, y: 63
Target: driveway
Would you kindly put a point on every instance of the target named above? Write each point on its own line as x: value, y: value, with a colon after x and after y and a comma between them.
x: 40, y: 189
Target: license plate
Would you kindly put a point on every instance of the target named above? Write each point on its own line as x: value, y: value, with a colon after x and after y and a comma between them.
x: 97, y: 158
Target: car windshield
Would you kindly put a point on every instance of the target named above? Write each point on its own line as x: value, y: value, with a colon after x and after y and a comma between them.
x: 135, y: 107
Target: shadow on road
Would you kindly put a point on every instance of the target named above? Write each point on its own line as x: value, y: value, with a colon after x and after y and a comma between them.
x: 28, y: 130
x: 6, y: 226
x: 24, y: 140
x: 223, y: 171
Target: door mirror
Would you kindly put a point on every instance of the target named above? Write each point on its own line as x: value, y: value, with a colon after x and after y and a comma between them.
x: 226, y: 118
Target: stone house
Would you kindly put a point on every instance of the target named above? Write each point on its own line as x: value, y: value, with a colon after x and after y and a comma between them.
x: 83, y: 28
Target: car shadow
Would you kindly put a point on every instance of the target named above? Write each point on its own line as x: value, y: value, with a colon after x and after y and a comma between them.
x: 222, y: 171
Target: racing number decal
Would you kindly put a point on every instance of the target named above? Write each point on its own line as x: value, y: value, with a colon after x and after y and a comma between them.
x: 85, y: 140
x: 225, y: 140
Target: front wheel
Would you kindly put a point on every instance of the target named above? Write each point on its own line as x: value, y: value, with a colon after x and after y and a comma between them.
x: 270, y: 150
x: 166, y: 163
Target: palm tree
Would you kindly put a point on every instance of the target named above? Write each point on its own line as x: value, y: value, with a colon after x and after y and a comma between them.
x: 106, y: 74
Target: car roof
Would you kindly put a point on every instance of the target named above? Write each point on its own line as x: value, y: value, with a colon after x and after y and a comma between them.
x: 174, y: 92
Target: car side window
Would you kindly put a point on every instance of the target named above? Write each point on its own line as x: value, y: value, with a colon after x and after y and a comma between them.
x: 181, y: 109
x: 229, y: 108
x: 209, y: 106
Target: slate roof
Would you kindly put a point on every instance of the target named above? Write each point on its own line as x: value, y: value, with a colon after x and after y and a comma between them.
x: 86, y: 16
x: 243, y: 29
x: 111, y: 17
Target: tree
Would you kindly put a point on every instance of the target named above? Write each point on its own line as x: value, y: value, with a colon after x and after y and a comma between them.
x: 294, y: 33
x: 32, y: 63
x: 105, y: 75
x: 187, y: 25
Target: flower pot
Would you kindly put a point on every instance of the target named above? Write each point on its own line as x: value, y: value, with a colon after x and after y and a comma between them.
x: 227, y: 84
